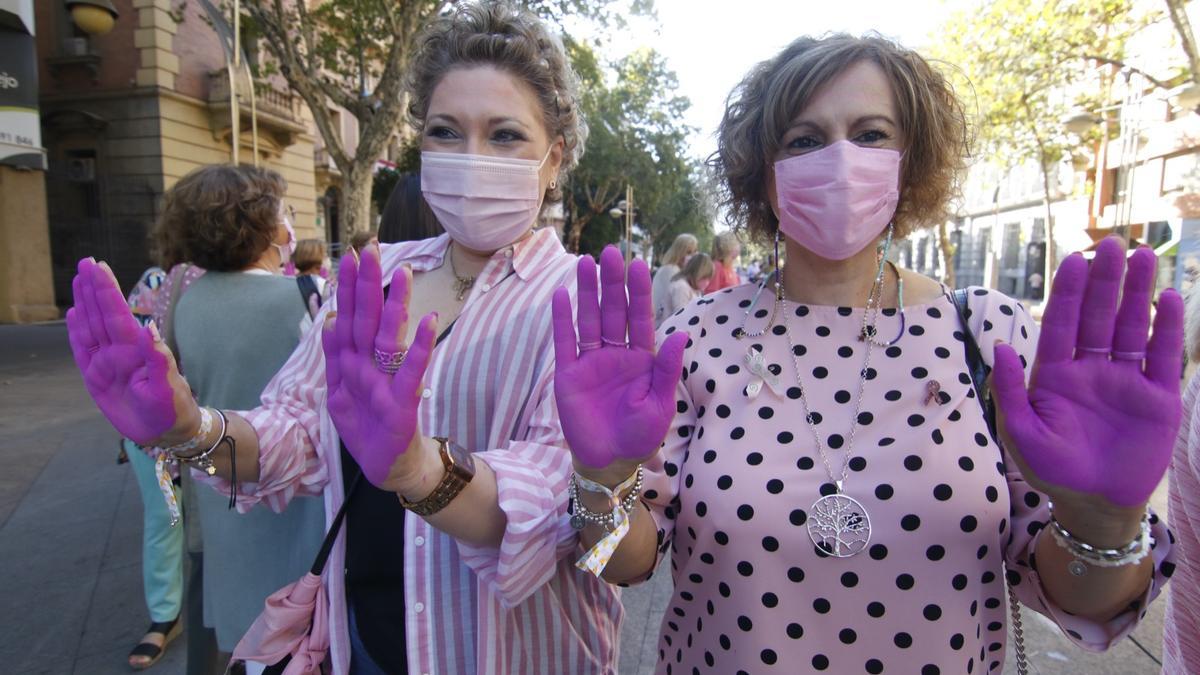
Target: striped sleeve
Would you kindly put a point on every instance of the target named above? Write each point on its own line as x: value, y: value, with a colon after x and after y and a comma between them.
x: 1181, y: 648
x: 531, y: 485
x: 289, y: 433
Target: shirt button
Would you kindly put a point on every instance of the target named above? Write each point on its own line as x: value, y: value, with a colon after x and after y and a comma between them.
x: 419, y: 607
x: 508, y: 253
x: 426, y: 393
x: 419, y: 541
x: 486, y: 288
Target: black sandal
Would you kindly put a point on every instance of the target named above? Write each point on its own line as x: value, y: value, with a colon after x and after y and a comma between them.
x: 169, y: 630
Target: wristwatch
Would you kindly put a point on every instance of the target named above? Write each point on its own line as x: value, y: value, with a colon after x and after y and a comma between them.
x: 460, y: 469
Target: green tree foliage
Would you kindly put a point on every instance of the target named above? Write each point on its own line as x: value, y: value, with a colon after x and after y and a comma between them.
x: 637, y: 137
x: 353, y: 54
x: 1022, y: 66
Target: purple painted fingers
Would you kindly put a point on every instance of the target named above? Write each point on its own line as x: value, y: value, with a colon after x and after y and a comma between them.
x: 127, y: 370
x: 1100, y: 415
x: 616, y: 398
x: 374, y: 410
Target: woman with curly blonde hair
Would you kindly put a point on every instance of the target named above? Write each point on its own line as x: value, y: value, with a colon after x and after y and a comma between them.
x: 445, y: 458
x: 824, y: 476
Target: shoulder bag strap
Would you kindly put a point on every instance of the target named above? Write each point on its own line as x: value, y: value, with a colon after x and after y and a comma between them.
x: 978, y: 371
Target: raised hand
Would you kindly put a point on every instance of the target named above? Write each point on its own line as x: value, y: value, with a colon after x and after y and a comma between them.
x: 615, y: 399
x: 127, y: 370
x: 1096, y: 427
x: 376, y: 412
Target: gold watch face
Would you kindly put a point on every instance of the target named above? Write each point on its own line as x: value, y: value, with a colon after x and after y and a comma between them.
x: 464, y: 462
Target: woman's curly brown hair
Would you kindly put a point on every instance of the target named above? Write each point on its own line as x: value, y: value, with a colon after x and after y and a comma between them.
x: 761, y: 109
x: 498, y: 33
x: 220, y: 217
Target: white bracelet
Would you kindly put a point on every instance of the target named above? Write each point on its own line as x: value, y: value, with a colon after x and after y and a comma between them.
x: 194, y: 442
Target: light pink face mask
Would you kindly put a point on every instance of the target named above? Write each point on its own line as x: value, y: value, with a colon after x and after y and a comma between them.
x: 485, y: 203
x: 837, y: 200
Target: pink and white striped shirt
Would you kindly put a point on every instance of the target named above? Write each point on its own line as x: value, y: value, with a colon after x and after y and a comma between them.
x: 519, y: 609
x: 1181, y: 631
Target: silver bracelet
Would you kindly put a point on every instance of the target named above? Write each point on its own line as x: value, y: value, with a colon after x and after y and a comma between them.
x: 581, y: 516
x: 1085, y: 554
x: 203, y: 460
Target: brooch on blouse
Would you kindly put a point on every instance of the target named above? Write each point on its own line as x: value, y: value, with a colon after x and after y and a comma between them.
x: 761, y: 374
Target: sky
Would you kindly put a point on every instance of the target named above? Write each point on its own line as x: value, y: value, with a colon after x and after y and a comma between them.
x: 711, y: 44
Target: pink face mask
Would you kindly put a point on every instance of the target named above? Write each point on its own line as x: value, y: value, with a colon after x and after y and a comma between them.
x: 837, y: 200
x: 485, y: 203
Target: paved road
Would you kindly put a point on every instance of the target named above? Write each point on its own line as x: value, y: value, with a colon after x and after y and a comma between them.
x: 70, y: 539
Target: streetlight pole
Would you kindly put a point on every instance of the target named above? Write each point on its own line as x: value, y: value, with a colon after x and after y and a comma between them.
x: 625, y: 208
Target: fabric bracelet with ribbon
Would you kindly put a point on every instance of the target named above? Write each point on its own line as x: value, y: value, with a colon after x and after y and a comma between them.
x: 596, y: 559
x: 165, y: 485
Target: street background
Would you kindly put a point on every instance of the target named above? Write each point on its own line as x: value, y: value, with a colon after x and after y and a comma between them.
x: 71, y: 525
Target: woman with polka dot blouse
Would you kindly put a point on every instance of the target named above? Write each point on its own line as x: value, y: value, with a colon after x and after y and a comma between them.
x: 828, y: 488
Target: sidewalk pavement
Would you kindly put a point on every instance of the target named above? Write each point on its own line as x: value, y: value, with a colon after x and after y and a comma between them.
x: 70, y: 541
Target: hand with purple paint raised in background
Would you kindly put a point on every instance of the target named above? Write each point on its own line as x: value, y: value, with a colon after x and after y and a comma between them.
x: 126, y: 368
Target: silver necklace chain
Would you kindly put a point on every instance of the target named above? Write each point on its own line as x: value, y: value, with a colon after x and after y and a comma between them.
x: 808, y: 416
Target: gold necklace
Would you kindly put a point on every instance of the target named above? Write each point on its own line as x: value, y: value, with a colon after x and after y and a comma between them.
x: 462, y: 285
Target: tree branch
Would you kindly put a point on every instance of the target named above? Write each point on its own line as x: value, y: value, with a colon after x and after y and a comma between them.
x: 1133, y: 69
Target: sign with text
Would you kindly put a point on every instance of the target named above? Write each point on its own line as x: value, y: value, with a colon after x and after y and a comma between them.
x: 20, y: 126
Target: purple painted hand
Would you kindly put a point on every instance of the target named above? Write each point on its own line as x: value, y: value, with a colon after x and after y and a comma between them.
x: 127, y: 370
x: 376, y: 413
x: 615, y: 400
x: 1096, y: 427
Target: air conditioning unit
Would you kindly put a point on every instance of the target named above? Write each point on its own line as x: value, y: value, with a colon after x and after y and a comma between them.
x: 81, y: 169
x: 75, y: 46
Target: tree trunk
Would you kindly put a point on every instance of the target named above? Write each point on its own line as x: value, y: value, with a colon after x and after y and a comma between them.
x: 947, y: 255
x: 355, y: 206
x: 1187, y: 39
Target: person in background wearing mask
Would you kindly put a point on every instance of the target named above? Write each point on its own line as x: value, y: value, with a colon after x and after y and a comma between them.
x: 232, y: 222
x: 725, y: 251
x: 829, y: 489
x: 686, y: 285
x: 684, y: 247
x: 456, y: 556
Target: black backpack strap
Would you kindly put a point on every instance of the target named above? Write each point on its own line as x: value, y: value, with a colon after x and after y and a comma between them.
x: 976, y: 367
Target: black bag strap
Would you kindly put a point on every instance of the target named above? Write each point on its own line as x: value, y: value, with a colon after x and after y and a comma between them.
x: 976, y: 367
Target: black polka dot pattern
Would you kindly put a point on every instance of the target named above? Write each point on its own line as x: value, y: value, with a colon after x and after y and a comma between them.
x: 752, y: 592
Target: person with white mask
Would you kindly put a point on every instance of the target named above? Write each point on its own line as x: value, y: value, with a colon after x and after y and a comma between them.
x: 424, y: 410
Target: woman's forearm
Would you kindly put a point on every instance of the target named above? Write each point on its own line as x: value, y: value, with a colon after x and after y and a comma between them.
x: 634, y: 558
x: 474, y: 515
x: 1103, y: 592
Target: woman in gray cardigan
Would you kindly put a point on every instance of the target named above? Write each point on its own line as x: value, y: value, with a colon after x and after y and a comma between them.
x: 231, y: 221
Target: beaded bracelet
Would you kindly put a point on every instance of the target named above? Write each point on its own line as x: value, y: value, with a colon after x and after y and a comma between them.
x: 1085, y: 554
x: 615, y: 523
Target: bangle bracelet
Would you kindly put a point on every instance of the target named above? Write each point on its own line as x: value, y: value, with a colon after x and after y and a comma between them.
x: 194, y: 442
x: 1085, y: 554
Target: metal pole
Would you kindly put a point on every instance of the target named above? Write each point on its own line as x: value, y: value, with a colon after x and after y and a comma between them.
x: 235, y: 123
x: 628, y: 223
